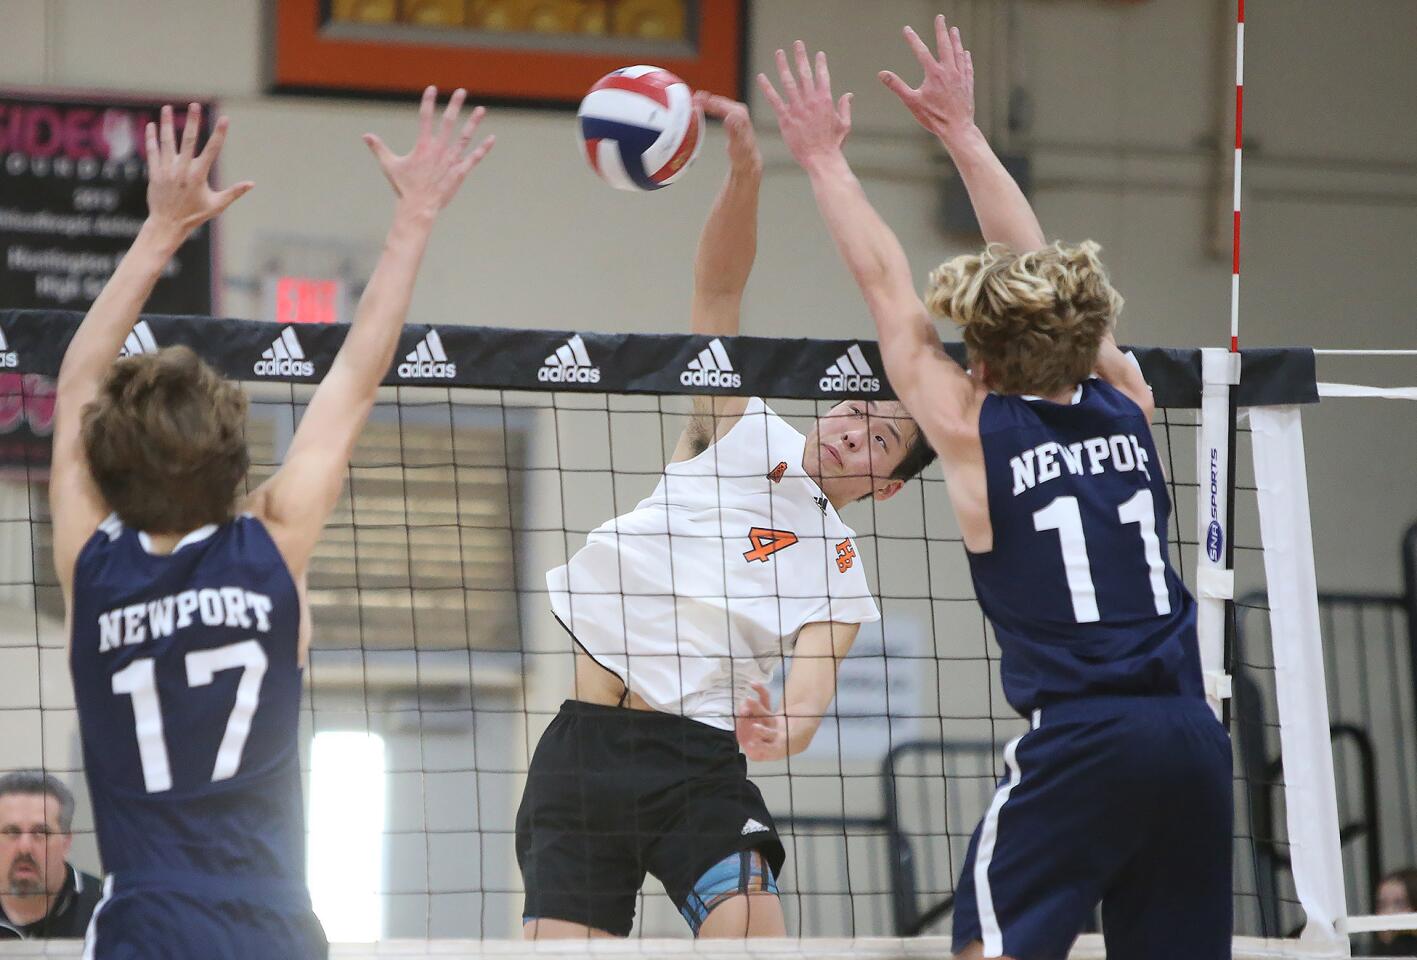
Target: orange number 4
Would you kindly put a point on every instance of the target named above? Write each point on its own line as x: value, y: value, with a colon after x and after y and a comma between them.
x: 767, y: 542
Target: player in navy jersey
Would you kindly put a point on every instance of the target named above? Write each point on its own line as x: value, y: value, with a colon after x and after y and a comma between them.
x: 186, y: 608
x: 1120, y: 791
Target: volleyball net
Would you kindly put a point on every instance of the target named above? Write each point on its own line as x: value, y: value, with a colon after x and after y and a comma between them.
x: 437, y: 663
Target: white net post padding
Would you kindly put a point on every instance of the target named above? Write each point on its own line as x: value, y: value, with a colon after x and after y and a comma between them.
x: 1311, y: 799
x: 1215, y: 581
x: 1403, y: 921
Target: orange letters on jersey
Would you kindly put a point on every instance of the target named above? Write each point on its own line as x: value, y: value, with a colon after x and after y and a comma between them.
x: 845, y: 554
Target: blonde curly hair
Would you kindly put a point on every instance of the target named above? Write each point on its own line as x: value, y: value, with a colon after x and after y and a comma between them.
x: 1035, y: 320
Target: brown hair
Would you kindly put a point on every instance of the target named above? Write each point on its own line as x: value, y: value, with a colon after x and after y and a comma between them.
x: 165, y: 441
x: 1408, y: 878
x: 1034, y: 319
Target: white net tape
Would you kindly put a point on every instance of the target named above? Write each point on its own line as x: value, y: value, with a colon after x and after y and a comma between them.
x: 1087, y: 948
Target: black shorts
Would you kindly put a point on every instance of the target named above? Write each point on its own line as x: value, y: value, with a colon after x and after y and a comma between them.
x: 614, y: 793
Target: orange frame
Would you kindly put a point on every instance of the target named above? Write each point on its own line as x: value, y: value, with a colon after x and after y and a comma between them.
x: 307, y: 61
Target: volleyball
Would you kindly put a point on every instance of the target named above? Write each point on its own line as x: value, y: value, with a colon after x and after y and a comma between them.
x: 640, y: 128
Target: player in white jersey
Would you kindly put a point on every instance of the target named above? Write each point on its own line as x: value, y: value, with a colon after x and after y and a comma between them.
x: 679, y: 611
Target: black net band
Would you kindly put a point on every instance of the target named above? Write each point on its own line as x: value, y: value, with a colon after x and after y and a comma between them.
x: 490, y: 357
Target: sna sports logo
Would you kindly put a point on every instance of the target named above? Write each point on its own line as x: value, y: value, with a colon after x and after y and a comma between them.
x: 1215, y: 534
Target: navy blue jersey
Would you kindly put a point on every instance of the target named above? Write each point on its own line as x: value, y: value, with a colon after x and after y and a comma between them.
x: 187, y: 681
x: 1078, y: 586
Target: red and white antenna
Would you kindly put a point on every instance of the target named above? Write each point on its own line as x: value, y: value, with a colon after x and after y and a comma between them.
x: 1239, y: 150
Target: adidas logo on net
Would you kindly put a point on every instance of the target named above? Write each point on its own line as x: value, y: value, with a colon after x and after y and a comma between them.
x: 284, y: 358
x: 8, y: 357
x: 850, y: 374
x: 428, y: 360
x: 711, y: 368
x: 569, y: 364
x: 139, y: 340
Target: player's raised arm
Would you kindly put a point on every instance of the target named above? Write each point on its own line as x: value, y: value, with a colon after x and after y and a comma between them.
x: 944, y: 105
x: 727, y: 247
x: 814, y: 125
x: 768, y: 734
x: 179, y: 201
x: 297, y: 500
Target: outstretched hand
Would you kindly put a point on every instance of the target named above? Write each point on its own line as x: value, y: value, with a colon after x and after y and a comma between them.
x: 761, y: 731
x: 944, y: 102
x: 743, y: 150
x: 179, y: 196
x: 429, y: 175
x: 813, y: 124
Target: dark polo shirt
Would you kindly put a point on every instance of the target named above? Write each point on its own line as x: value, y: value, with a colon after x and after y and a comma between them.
x: 67, y: 918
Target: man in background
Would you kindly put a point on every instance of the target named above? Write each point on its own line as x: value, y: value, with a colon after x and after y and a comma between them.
x: 42, y: 896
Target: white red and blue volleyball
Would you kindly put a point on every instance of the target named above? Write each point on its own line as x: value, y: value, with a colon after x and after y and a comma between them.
x: 640, y: 128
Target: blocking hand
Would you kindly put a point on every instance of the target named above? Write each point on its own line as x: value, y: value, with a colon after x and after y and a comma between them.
x: 429, y: 175
x: 944, y: 101
x: 179, y: 196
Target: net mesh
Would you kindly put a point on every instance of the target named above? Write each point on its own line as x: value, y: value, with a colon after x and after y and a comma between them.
x: 435, y: 644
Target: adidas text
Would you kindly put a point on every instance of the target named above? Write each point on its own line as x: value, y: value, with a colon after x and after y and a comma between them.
x: 284, y: 368
x: 711, y: 378
x: 11, y: 359
x: 428, y: 369
x: 568, y: 374
x: 854, y: 383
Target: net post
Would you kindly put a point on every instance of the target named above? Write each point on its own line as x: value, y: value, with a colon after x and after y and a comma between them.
x: 1215, y: 578
x: 1311, y: 796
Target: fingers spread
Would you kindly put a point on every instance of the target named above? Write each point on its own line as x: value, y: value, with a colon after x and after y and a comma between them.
x: 189, y: 131
x: 789, y: 83
x: 957, y: 46
x: 804, y: 64
x: 843, y: 109
x: 917, y: 47
x: 381, y: 152
x: 425, y: 112
x: 230, y: 195
x: 770, y: 94
x: 150, y: 143
x: 450, y: 114
x: 167, y: 137
x: 470, y: 128
x: 943, y: 43
x: 898, y: 86
x: 473, y: 159
x: 213, y: 148
x: 824, y: 78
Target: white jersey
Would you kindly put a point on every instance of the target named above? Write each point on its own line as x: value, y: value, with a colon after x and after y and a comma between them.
x: 701, y: 589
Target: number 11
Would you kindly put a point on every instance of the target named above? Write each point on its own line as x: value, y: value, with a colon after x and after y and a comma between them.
x: 1063, y: 515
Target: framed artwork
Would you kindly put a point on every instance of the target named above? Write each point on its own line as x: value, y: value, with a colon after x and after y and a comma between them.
x: 530, y: 52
